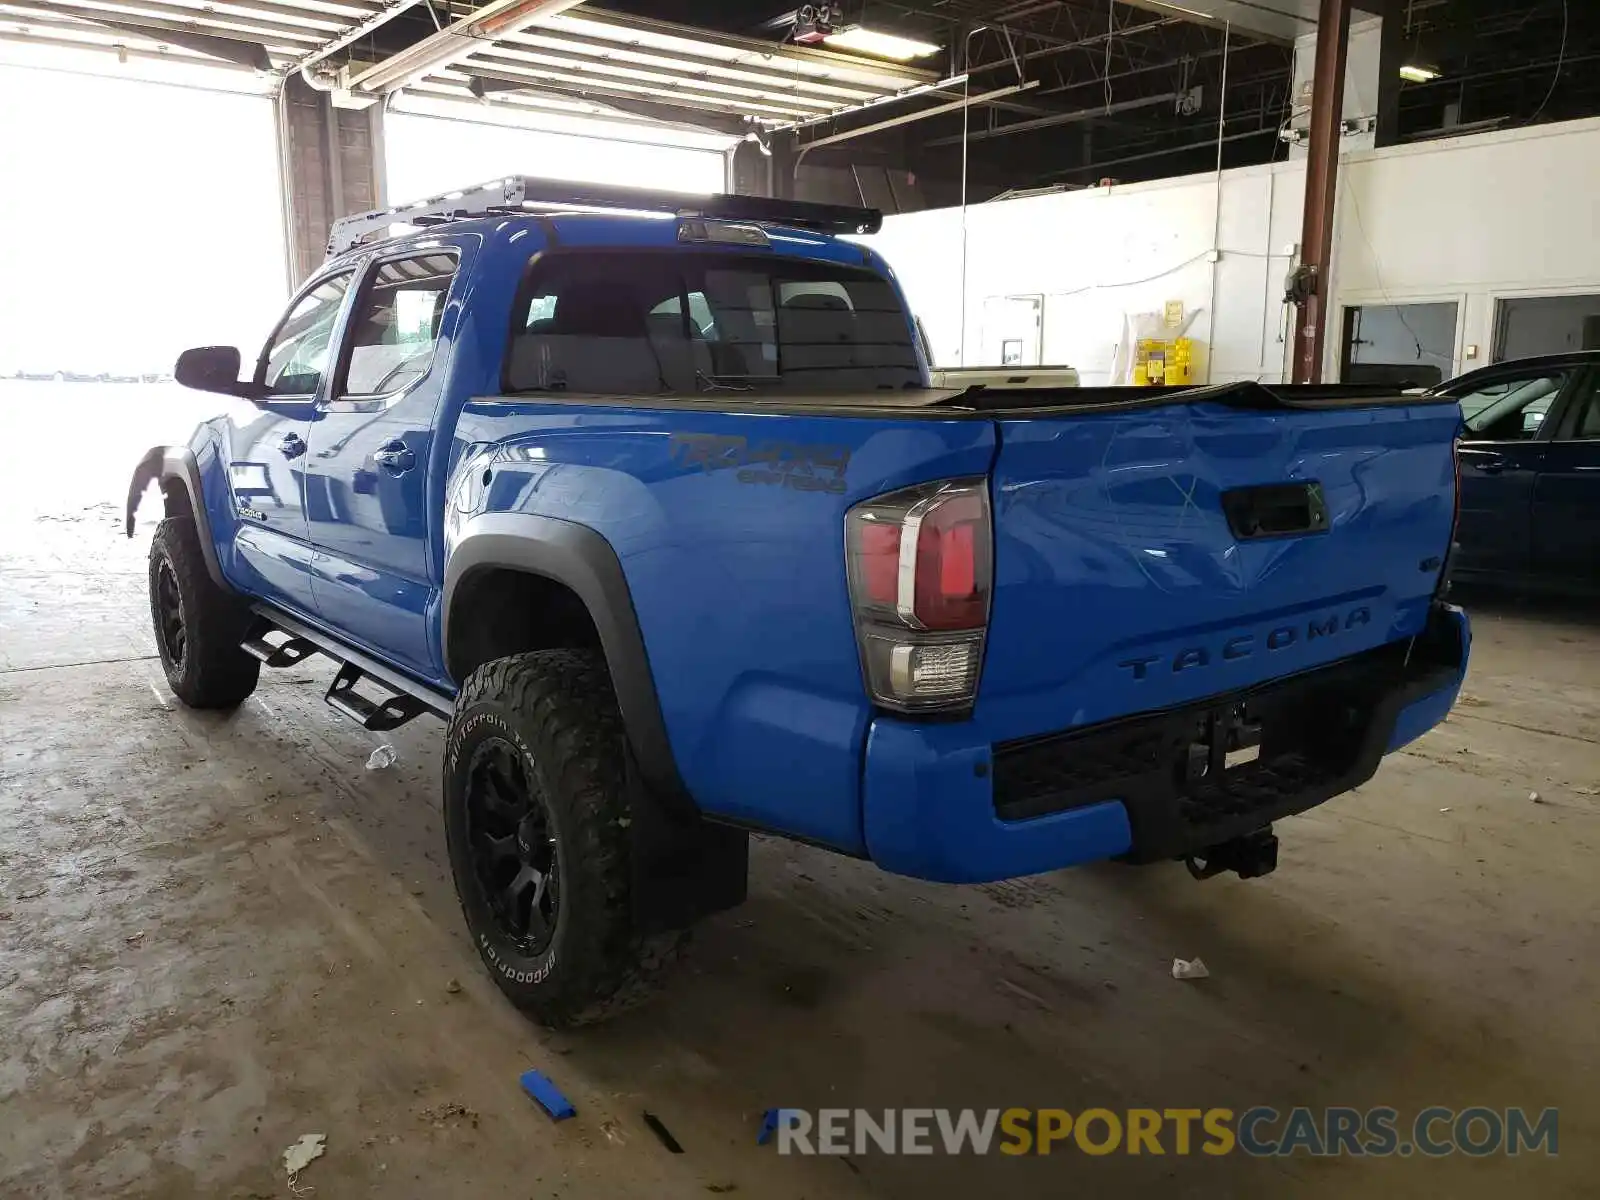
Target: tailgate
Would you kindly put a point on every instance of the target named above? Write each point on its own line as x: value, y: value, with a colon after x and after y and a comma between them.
x: 1150, y: 557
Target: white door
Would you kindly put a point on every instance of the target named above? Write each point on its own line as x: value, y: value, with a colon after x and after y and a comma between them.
x: 1013, y: 328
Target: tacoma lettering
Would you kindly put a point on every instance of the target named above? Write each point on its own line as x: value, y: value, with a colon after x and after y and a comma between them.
x: 1280, y: 637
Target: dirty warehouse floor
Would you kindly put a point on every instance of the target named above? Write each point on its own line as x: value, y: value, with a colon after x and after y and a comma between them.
x: 218, y: 933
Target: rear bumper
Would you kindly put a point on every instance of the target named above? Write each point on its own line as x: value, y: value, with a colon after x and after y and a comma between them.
x: 941, y: 803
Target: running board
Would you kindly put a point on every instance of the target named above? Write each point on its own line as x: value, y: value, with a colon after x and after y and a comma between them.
x: 407, y: 699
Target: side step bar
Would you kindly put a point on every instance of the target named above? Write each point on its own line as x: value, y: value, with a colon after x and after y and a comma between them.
x: 380, y: 716
x: 407, y: 699
x: 281, y: 654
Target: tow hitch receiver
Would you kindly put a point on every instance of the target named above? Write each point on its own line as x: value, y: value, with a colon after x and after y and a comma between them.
x: 1251, y: 856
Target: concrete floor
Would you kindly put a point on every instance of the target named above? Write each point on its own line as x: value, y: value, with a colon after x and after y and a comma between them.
x: 220, y: 933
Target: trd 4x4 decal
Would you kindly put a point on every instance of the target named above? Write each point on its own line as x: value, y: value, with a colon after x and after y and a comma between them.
x: 801, y: 466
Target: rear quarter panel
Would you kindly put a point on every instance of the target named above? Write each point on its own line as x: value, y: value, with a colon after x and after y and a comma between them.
x: 730, y: 531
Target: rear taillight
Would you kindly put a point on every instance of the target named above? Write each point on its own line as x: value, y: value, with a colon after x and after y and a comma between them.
x: 920, y: 568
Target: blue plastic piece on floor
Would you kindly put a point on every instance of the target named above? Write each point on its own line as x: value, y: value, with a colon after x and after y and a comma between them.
x: 769, y: 1126
x: 548, y: 1096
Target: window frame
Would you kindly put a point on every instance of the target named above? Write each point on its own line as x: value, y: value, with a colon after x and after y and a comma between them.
x: 353, y: 270
x: 331, y: 399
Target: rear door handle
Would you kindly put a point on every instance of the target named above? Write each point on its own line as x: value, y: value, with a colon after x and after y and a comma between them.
x: 396, y: 457
x: 1489, y: 466
x: 292, y: 445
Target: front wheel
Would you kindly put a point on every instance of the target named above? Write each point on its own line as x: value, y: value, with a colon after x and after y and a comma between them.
x: 198, y: 625
x: 537, y: 805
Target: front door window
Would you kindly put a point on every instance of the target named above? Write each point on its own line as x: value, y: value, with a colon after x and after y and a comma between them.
x: 295, y: 358
x: 1511, y: 410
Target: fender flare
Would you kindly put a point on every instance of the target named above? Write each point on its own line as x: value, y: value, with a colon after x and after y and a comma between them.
x: 176, y: 465
x: 583, y: 560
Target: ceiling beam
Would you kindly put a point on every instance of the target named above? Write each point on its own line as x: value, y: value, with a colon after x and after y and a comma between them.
x: 907, y: 118
x: 774, y: 110
x: 1081, y: 43
x: 163, y: 33
x: 454, y: 42
x: 691, y: 43
x: 1066, y: 118
x: 626, y: 74
x: 157, y: 15
x: 678, y: 113
x: 356, y: 32
x: 770, y: 75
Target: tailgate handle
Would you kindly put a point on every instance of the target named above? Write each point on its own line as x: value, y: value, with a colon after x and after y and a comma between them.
x: 1276, y: 510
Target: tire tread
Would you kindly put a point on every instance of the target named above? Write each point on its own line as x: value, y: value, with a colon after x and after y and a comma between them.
x: 216, y: 672
x: 562, y: 702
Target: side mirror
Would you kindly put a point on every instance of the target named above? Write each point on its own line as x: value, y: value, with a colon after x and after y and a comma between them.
x: 214, y: 369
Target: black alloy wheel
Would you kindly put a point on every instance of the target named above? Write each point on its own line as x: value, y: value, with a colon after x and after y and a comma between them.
x: 169, y: 614
x: 512, y: 840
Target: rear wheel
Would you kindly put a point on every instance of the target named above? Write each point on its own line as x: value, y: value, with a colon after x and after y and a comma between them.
x: 198, y: 625
x: 537, y: 805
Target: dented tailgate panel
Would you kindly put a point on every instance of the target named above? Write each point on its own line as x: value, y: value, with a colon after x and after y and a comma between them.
x: 1122, y: 585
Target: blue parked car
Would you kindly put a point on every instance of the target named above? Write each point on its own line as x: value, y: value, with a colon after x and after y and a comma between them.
x: 654, y: 507
x: 1530, y: 473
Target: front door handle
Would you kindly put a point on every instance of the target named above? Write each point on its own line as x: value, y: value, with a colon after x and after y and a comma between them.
x: 396, y: 457
x: 292, y: 445
x: 1489, y: 466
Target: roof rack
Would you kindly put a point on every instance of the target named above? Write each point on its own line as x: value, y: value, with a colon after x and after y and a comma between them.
x: 521, y: 193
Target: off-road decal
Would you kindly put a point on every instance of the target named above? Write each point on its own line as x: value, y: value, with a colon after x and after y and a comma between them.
x: 801, y: 466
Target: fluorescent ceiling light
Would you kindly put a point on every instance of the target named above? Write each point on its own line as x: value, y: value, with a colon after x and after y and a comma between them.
x: 1192, y: 12
x: 885, y: 45
x: 1418, y: 74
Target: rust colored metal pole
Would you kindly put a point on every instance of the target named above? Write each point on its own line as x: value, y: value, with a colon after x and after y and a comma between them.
x: 1322, y: 180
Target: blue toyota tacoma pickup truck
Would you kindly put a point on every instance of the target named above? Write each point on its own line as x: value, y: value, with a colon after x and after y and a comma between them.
x: 648, y: 498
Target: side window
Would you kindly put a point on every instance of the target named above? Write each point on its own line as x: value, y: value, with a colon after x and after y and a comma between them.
x: 395, y: 326
x: 294, y: 360
x: 1512, y: 410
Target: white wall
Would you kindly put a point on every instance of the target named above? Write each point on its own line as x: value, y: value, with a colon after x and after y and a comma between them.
x: 1471, y: 219
x: 1097, y: 254
x: 1474, y: 219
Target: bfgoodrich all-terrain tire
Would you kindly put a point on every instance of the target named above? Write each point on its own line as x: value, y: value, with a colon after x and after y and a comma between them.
x: 537, y: 807
x: 198, y: 625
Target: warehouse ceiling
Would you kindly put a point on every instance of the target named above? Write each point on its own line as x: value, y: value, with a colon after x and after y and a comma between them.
x: 1062, y: 93
x: 1500, y: 65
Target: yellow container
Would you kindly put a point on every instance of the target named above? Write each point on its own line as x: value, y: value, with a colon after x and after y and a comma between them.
x: 1158, y: 362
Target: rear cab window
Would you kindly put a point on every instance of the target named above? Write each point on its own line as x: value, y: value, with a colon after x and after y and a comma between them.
x: 642, y: 323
